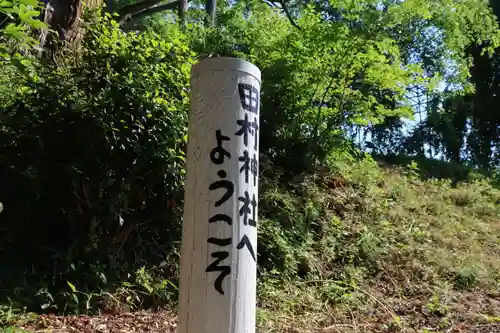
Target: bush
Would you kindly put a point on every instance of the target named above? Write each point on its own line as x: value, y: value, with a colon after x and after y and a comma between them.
x: 91, y: 165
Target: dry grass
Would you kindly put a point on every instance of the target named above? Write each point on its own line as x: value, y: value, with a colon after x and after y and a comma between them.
x: 397, y: 254
x: 373, y: 250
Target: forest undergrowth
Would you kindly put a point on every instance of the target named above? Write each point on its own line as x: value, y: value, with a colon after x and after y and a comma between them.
x: 379, y: 161
x: 360, y: 248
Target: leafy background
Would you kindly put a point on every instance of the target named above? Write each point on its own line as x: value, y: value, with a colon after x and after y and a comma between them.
x: 379, y: 157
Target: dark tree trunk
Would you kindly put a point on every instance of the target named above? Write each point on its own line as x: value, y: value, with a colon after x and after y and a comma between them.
x: 210, y: 6
x: 64, y: 18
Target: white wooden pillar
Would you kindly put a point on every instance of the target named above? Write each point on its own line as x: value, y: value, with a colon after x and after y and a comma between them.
x: 219, y: 241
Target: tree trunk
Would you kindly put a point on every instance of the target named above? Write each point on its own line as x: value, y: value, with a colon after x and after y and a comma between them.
x: 64, y: 17
x: 210, y: 6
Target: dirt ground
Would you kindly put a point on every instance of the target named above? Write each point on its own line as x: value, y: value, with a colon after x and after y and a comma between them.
x: 462, y: 312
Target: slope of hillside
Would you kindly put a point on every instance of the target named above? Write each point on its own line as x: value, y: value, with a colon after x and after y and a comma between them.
x: 384, y: 251
x: 367, y: 249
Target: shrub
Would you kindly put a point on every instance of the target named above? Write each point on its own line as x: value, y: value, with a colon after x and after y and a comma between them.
x: 92, y: 155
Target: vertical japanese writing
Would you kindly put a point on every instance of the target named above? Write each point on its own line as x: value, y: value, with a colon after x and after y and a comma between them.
x: 217, y: 156
x: 249, y: 97
x: 248, y: 129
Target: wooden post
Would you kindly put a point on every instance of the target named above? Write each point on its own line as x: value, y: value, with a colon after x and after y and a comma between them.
x: 219, y: 241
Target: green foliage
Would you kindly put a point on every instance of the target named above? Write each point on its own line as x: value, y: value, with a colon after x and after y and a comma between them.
x: 386, y: 239
x: 466, y: 278
x: 12, y: 329
x: 16, y: 18
x: 94, y: 148
x: 92, y: 145
x: 314, y: 78
x: 436, y: 307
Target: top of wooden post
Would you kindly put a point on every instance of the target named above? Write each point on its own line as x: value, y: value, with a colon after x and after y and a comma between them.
x: 224, y: 64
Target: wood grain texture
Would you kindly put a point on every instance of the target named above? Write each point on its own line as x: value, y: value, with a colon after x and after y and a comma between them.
x: 204, y: 305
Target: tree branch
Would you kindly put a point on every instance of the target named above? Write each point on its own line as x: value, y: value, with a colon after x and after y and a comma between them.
x: 137, y: 7
x: 155, y: 9
x: 149, y: 11
x: 150, y: 7
x: 288, y: 14
x: 270, y: 3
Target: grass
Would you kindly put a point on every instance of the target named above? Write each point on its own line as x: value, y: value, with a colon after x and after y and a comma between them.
x: 370, y: 249
x: 386, y: 251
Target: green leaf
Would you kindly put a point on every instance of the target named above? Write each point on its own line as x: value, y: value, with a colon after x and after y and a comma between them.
x: 73, y: 288
x: 15, y: 31
x: 37, y: 24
